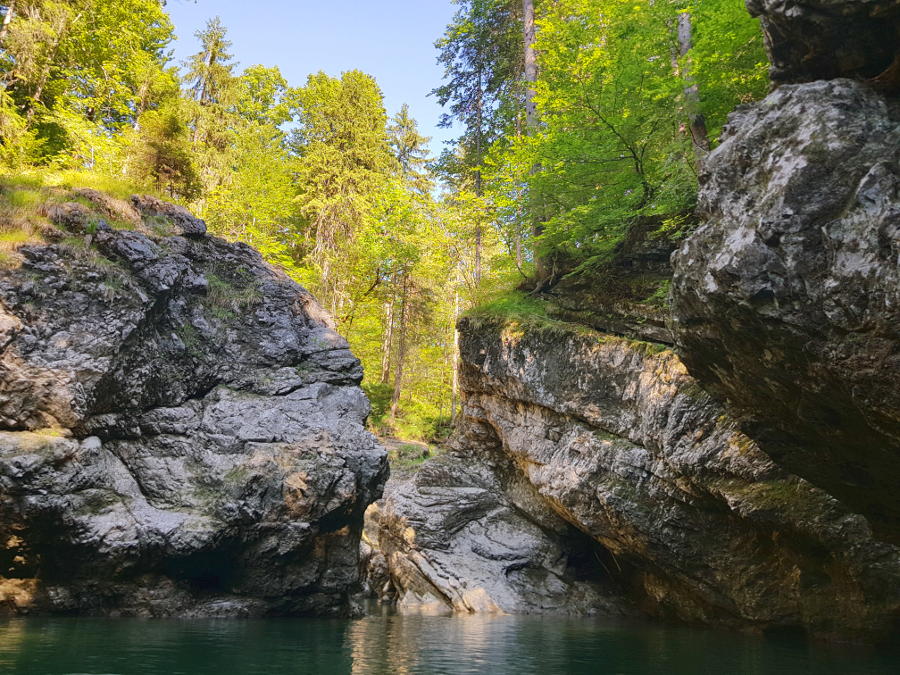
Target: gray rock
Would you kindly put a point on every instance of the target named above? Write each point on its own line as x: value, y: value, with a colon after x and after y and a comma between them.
x: 787, y: 300
x: 111, y: 207
x: 467, y: 533
x: 183, y: 222
x: 610, y: 437
x: 70, y: 215
x: 169, y: 452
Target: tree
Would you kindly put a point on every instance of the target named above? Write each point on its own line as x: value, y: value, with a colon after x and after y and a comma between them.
x: 263, y: 96
x: 481, y: 58
x: 411, y: 150
x: 7, y: 18
x: 161, y: 153
x: 209, y: 71
x: 696, y: 119
x: 78, y: 71
x: 530, y: 64
x: 343, y: 158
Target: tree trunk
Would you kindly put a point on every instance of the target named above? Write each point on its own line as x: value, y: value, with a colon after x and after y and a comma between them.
x: 696, y: 120
x: 478, y: 244
x: 479, y: 181
x: 531, y: 66
x: 387, y: 342
x: 10, y: 12
x: 401, y: 348
x: 531, y: 127
x: 454, y: 387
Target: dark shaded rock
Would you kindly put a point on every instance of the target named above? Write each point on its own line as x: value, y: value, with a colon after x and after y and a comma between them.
x: 183, y: 222
x: 826, y: 39
x: 70, y: 215
x: 168, y: 452
x: 787, y: 300
x: 628, y: 293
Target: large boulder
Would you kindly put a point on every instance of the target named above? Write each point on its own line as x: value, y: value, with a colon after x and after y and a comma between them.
x: 825, y: 39
x: 787, y: 300
x: 181, y: 432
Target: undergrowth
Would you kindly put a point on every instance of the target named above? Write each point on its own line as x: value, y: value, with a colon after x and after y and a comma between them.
x: 226, y: 298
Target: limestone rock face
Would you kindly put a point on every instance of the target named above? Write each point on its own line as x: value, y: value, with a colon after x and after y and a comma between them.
x: 181, y: 431
x: 825, y: 39
x: 787, y: 300
x: 468, y: 533
x: 672, y: 506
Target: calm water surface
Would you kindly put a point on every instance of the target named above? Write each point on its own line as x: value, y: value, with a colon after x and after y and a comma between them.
x: 396, y: 644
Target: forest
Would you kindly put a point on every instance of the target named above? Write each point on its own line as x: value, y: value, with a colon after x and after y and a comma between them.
x: 576, y: 121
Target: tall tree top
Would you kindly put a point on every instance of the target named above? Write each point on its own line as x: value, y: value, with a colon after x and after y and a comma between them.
x: 411, y: 149
x: 210, y: 70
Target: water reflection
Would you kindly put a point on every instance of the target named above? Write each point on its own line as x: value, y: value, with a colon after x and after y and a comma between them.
x: 409, y: 645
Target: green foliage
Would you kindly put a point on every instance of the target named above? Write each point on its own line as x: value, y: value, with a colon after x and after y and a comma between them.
x: 481, y: 55
x: 613, y: 145
x: 511, y: 305
x: 227, y: 297
x: 160, y: 153
x: 78, y: 73
x: 208, y: 75
x: 346, y: 199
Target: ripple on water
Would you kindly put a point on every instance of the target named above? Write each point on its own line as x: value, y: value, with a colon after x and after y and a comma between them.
x: 411, y: 645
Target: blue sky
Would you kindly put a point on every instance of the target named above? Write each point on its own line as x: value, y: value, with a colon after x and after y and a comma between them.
x: 392, y: 40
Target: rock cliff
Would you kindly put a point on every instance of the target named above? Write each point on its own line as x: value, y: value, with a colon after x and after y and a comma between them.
x: 181, y: 430
x: 670, y: 508
x: 825, y: 39
x: 787, y: 300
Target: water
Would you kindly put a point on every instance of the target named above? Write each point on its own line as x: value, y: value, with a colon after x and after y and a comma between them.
x: 397, y: 644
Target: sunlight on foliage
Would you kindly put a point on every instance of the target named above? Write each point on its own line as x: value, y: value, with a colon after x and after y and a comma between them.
x: 345, y: 198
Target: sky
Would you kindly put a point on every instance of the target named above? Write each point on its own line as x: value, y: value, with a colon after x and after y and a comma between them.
x: 392, y: 40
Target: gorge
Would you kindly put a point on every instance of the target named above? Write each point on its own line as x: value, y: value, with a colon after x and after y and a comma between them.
x: 183, y: 432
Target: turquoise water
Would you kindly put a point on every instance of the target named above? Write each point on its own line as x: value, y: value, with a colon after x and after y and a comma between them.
x: 396, y: 644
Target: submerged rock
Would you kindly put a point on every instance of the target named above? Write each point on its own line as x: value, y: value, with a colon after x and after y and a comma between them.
x: 787, y: 300
x: 181, y: 432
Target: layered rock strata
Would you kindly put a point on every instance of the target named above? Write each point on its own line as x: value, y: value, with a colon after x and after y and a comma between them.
x: 681, y: 512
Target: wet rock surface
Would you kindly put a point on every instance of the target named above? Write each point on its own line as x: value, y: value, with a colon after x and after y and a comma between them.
x: 683, y: 515
x: 786, y: 301
x: 181, y: 431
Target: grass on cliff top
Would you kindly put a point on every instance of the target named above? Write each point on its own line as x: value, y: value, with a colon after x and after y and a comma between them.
x: 520, y: 312
x: 513, y: 305
x: 26, y: 195
x: 70, y: 179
